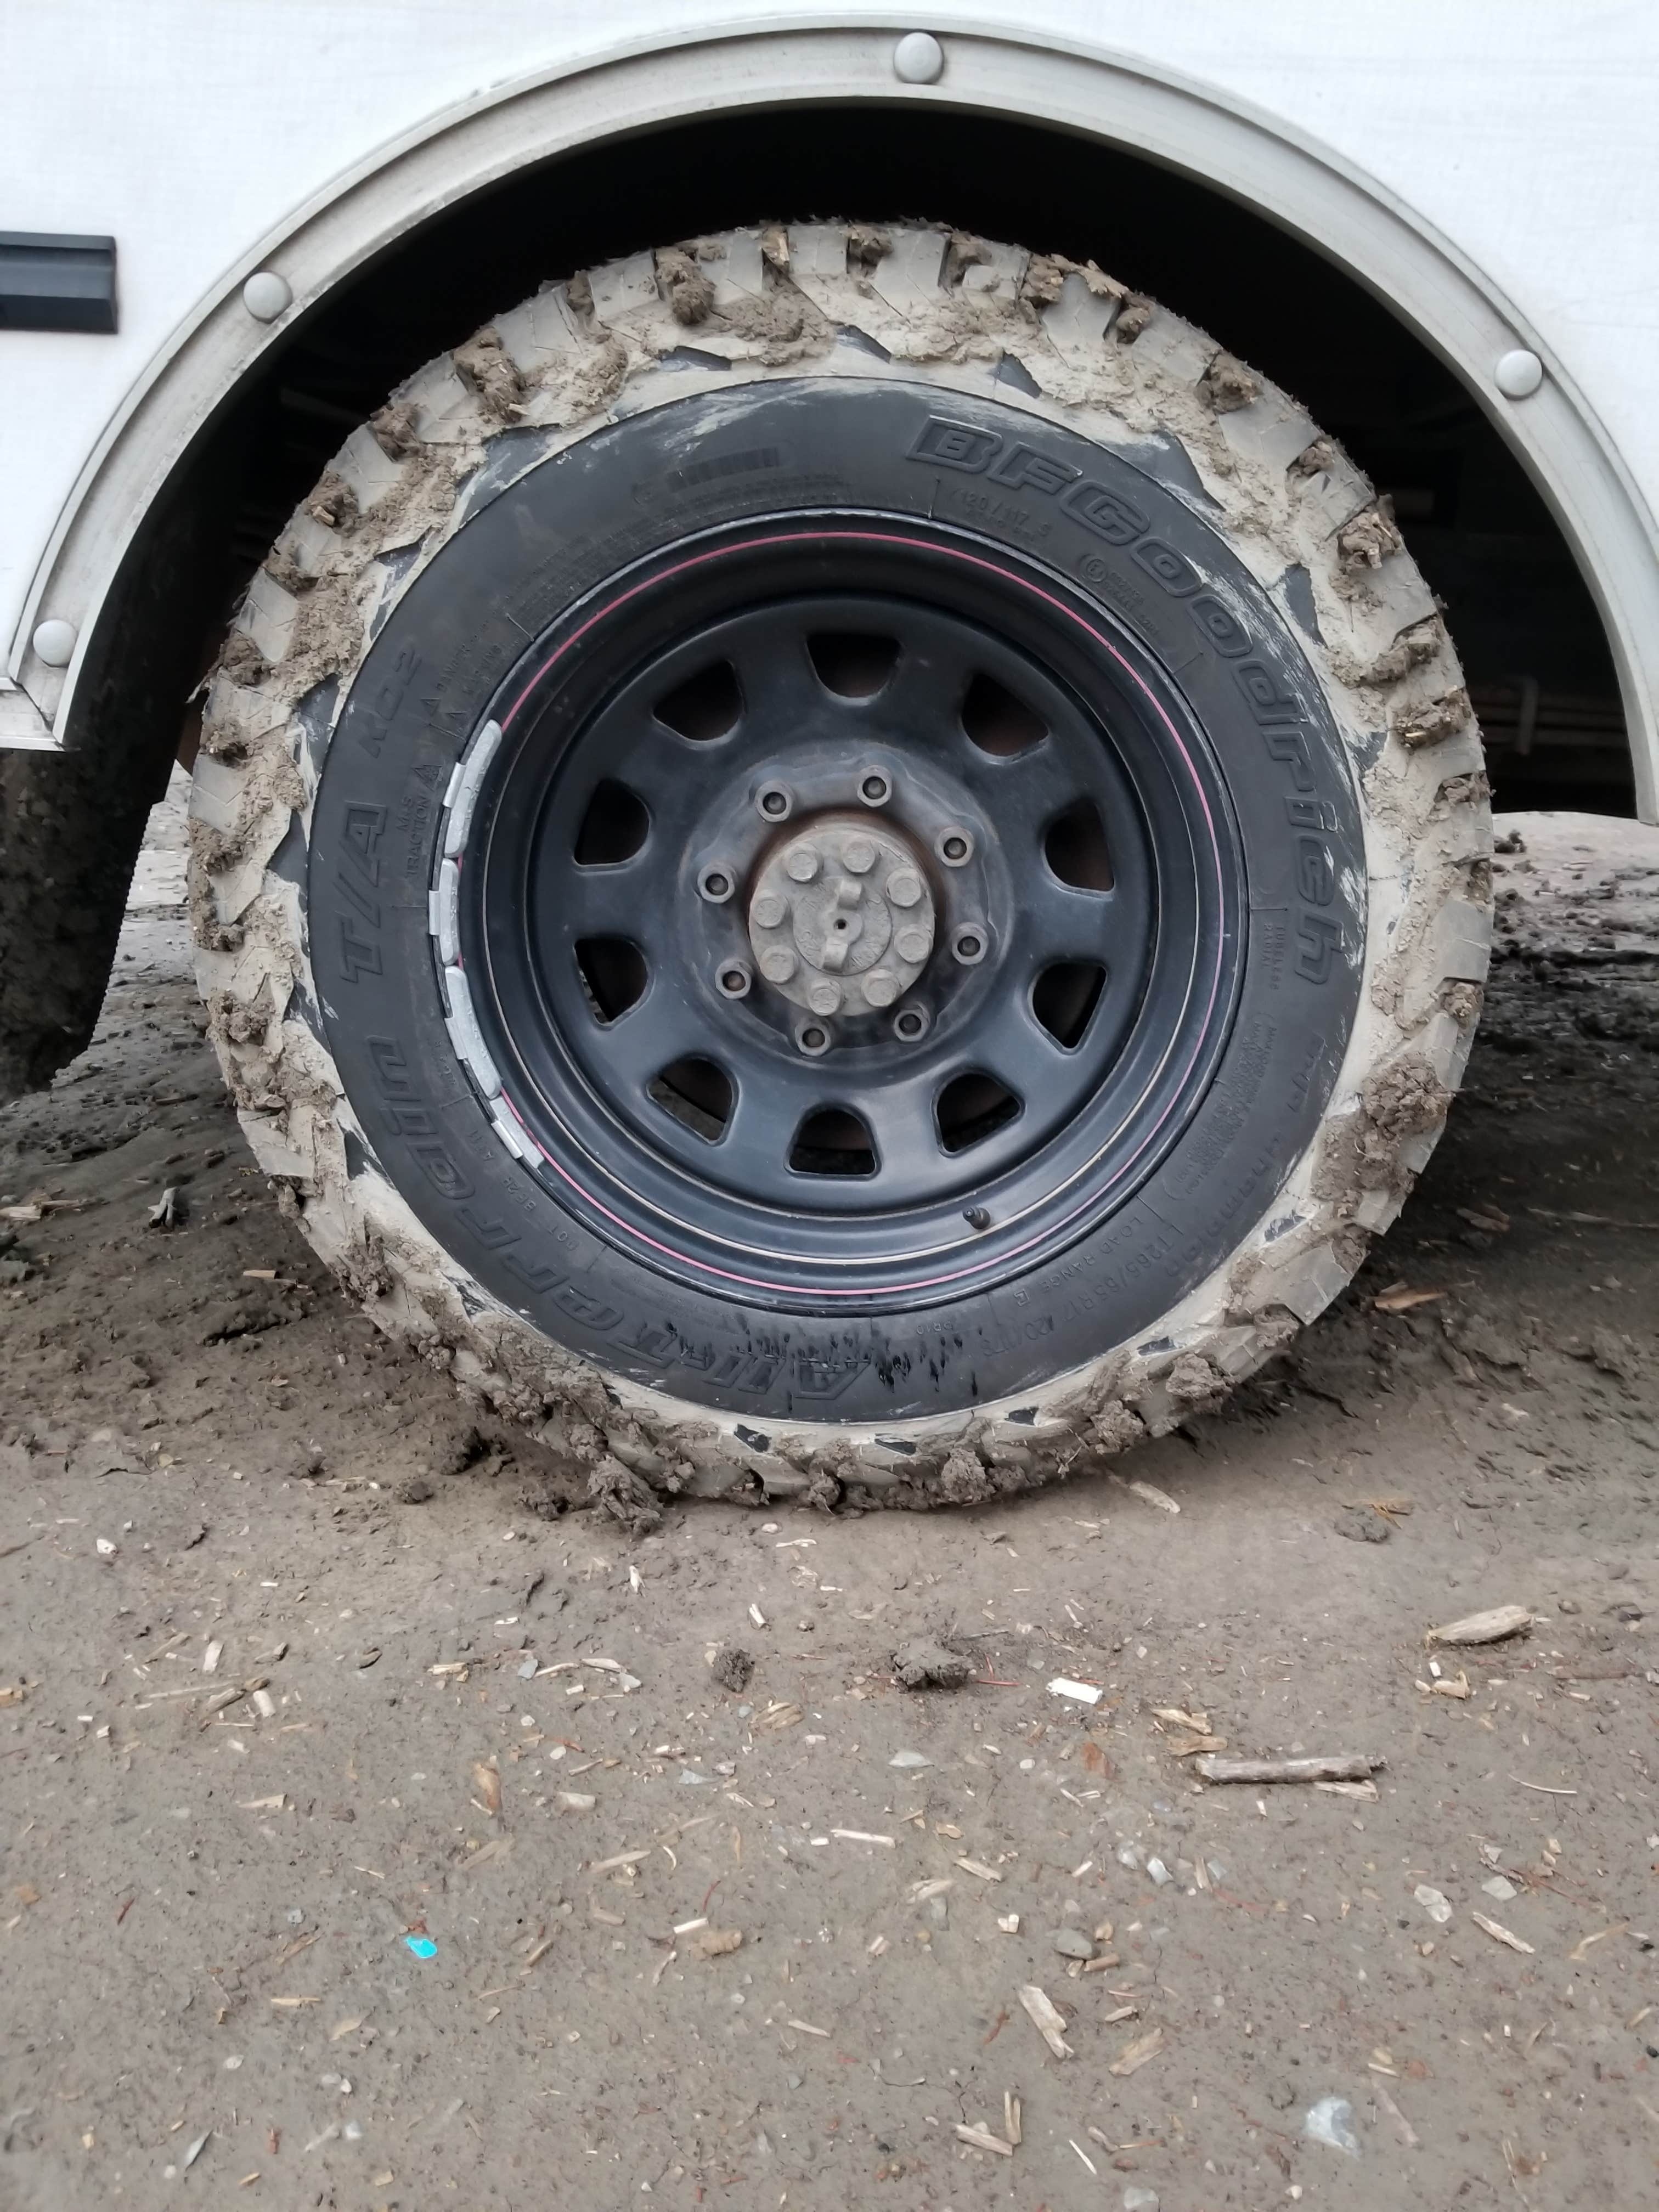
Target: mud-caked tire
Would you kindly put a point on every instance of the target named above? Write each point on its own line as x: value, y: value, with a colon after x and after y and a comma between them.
x: 871, y: 580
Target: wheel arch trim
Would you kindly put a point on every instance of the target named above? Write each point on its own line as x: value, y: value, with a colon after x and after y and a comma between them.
x: 1250, y: 155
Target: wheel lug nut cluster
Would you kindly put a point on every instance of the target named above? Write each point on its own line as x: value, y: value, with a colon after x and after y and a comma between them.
x: 841, y: 918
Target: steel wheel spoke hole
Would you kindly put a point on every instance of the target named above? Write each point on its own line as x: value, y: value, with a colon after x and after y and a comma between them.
x: 698, y: 1095
x: 1064, y: 998
x: 614, y: 826
x: 833, y: 1142
x: 998, y: 722
x: 972, y: 1108
x: 1075, y: 847
x: 708, y: 705
x: 851, y: 664
x: 614, y: 974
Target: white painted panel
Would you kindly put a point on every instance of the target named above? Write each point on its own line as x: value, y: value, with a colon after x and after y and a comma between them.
x: 1523, y: 129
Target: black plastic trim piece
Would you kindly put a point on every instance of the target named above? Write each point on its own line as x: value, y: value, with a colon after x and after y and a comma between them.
x: 53, y: 280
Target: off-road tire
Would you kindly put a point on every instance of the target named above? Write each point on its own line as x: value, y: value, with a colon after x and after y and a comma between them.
x: 914, y: 312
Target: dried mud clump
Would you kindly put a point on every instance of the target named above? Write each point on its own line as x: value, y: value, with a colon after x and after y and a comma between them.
x: 690, y: 294
x: 1226, y: 386
x: 1368, y: 540
x: 927, y: 1662
x: 622, y: 1496
x: 1436, y: 719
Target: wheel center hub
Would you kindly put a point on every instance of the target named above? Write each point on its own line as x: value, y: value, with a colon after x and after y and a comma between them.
x: 840, y: 916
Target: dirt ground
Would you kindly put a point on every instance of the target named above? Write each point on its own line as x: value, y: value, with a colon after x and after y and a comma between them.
x: 375, y: 1829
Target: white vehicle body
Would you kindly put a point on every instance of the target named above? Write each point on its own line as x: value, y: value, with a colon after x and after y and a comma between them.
x: 1490, y: 172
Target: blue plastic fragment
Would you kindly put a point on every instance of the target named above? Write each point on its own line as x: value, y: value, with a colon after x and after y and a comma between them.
x: 421, y: 1946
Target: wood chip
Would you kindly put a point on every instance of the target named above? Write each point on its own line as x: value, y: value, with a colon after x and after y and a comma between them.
x: 1013, y: 2119
x: 345, y: 2026
x: 861, y: 1836
x: 976, y: 1867
x: 982, y: 2139
x: 487, y: 1781
x: 1577, y: 1954
x: 1198, y: 1723
x: 622, y: 1859
x: 1489, y: 1627
x: 1498, y: 1933
x: 1135, y: 2055
x: 1082, y: 1693
x: 292, y: 2004
x: 1408, y: 2134
x: 922, y: 1891
x: 1048, y: 2022
x: 1338, y: 1769
x: 805, y: 2028
x: 1402, y: 1299
x: 262, y: 1804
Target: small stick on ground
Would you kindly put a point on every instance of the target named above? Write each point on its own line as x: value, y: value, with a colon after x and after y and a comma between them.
x: 1359, y: 1769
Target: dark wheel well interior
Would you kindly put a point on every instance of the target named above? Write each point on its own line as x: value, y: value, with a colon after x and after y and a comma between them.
x: 1532, y: 642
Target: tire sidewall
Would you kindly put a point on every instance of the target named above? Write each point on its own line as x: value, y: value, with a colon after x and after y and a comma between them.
x: 1103, y: 521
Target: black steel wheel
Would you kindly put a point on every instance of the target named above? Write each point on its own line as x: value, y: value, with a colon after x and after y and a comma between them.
x: 853, y: 913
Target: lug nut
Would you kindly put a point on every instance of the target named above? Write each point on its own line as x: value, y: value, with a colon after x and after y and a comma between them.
x: 776, y: 802
x: 769, y: 910
x: 881, y: 987
x: 732, y: 980
x: 802, y: 864
x: 716, y: 884
x: 812, y: 1038
x: 858, y: 854
x: 823, y: 997
x: 904, y: 887
x: 954, y: 846
x: 967, y: 945
x: 912, y: 944
x: 779, y: 965
x: 910, y: 1025
x: 875, y: 788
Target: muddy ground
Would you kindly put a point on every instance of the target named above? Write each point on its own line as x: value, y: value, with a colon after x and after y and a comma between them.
x: 374, y: 1831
